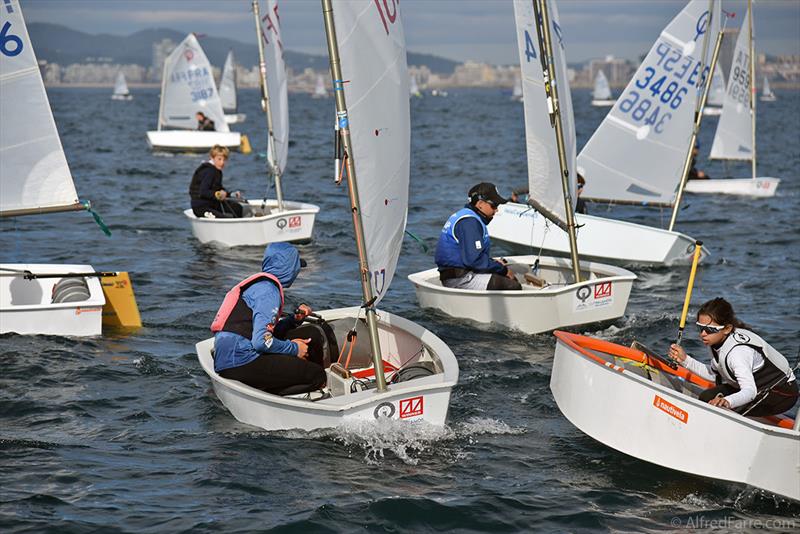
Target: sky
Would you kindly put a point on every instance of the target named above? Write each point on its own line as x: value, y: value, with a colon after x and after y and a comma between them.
x: 479, y: 30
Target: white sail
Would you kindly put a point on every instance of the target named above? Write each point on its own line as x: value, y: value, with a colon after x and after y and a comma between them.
x: 602, y: 91
x: 766, y: 93
x: 516, y: 91
x: 319, y: 90
x: 413, y: 88
x: 716, y: 95
x: 733, y: 139
x: 276, y: 83
x: 544, y: 170
x: 188, y: 87
x: 227, y: 85
x: 372, y: 48
x: 121, y: 86
x: 33, y: 169
x: 637, y: 153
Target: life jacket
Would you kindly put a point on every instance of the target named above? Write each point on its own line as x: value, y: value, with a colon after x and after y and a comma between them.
x: 774, y: 366
x: 234, y: 315
x: 448, y: 250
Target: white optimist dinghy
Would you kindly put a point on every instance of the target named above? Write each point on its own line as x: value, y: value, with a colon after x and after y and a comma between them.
x: 187, y: 86
x: 227, y: 91
x: 555, y: 292
x: 371, y: 56
x: 601, y: 95
x: 35, y: 179
x: 716, y: 98
x: 736, y: 132
x: 766, y: 94
x: 268, y: 220
x: 121, y: 91
x: 634, y: 402
x: 635, y: 156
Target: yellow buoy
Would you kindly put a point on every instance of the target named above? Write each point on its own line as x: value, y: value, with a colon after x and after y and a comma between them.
x: 120, y: 308
x: 244, y: 146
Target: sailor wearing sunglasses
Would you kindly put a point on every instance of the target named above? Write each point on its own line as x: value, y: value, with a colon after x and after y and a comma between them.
x: 752, y: 377
x: 463, y: 253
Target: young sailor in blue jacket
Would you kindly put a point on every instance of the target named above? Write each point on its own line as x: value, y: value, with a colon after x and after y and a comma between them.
x: 248, y: 343
x: 463, y: 252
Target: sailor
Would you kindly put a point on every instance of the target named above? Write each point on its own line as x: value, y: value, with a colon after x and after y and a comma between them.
x: 209, y: 198
x: 751, y: 376
x: 695, y: 174
x: 463, y: 252
x: 248, y: 344
x: 204, y: 124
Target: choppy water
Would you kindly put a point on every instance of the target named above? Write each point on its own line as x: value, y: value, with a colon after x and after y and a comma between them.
x: 123, y: 433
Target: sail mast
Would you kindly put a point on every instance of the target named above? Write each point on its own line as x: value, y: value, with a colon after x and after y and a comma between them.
x: 551, y: 89
x: 262, y: 67
x: 355, y: 207
x: 698, y: 113
x: 752, y: 83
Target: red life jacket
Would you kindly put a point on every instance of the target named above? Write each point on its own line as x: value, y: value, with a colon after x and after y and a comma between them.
x: 234, y: 315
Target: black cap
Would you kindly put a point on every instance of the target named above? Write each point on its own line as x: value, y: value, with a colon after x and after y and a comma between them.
x: 486, y: 191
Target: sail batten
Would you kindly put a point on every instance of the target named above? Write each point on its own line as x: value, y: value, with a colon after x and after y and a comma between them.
x: 34, y: 174
x: 189, y: 87
x: 646, y: 135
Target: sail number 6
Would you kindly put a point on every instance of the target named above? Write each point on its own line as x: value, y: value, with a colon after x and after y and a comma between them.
x: 6, y: 38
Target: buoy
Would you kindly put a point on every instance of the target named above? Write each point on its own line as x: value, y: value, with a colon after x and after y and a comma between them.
x: 120, y: 308
x: 244, y: 146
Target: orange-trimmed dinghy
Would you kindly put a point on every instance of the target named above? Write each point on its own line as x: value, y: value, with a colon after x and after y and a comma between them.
x: 638, y: 405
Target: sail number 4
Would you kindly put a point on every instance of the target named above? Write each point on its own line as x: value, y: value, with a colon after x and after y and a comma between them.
x: 666, y: 83
x: 10, y: 45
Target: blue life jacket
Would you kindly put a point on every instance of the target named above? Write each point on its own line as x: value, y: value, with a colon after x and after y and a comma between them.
x: 448, y: 250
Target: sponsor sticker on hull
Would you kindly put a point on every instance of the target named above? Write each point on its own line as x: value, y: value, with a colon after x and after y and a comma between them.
x: 670, y: 409
x: 412, y: 407
x: 588, y: 298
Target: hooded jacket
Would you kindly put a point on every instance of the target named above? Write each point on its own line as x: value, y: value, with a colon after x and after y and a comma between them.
x: 263, y: 297
x: 206, y: 181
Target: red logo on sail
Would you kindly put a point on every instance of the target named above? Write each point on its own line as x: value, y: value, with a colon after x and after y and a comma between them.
x: 412, y: 407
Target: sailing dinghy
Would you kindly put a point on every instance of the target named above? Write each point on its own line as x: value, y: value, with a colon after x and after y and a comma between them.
x: 371, y: 383
x: 266, y: 220
x: 635, y: 157
x: 187, y: 87
x: 555, y: 292
x: 601, y: 95
x: 516, y: 91
x: 633, y: 402
x: 766, y: 94
x: 735, y: 138
x: 35, y: 179
x: 716, y: 97
x: 121, y: 91
x: 227, y: 91
x: 319, y: 89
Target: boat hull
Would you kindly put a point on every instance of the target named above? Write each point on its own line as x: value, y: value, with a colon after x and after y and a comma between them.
x: 603, y: 296
x: 523, y: 229
x: 603, y: 103
x: 294, y: 224
x: 234, y: 118
x: 657, y: 424
x: 191, y: 140
x: 422, y: 399
x: 712, y: 111
x: 760, y: 187
x: 26, y: 306
x: 121, y: 97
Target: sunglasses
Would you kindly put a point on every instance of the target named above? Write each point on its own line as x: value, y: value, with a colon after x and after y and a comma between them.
x: 709, y: 328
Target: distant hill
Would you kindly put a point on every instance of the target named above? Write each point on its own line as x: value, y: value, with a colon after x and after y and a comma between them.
x: 62, y: 45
